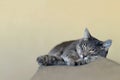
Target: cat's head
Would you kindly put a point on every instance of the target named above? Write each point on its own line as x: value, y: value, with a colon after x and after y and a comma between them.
x: 92, y: 46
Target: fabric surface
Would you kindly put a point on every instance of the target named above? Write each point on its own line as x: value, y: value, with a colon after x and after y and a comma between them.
x: 101, y: 69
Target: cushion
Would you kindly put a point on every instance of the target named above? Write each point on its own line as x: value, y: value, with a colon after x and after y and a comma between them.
x: 101, y: 69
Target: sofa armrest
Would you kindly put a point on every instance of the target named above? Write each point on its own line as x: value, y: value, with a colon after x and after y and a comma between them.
x: 101, y: 69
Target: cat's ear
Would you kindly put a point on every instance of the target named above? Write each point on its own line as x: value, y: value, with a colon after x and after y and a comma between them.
x: 107, y: 44
x: 87, y: 34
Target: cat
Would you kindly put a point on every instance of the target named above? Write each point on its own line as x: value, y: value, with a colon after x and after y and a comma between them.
x: 76, y: 52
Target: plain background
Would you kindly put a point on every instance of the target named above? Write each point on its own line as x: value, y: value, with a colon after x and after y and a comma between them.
x: 29, y: 28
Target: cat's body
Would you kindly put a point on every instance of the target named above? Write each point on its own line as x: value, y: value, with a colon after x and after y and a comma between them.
x: 76, y: 52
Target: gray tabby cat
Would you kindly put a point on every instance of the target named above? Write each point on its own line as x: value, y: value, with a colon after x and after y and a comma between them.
x: 76, y: 52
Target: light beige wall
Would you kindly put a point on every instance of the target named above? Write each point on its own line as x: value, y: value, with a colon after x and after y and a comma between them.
x: 29, y: 28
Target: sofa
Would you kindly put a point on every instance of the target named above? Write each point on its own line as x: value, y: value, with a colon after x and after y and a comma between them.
x: 100, y: 69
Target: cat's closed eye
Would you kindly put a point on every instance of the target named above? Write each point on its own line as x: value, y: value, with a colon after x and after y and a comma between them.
x: 92, y: 51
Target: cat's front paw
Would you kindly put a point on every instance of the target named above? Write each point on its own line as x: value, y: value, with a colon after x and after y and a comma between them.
x: 41, y: 60
x: 87, y: 60
x: 80, y: 62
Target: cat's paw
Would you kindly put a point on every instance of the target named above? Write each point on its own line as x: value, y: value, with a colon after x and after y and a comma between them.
x: 87, y: 60
x: 41, y: 61
x: 80, y: 62
x: 70, y: 63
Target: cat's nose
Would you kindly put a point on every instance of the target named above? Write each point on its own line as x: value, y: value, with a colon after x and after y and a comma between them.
x: 84, y: 54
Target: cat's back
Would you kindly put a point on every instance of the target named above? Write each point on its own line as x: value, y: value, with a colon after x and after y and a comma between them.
x: 58, y: 49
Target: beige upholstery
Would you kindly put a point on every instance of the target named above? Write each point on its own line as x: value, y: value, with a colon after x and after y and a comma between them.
x: 101, y: 69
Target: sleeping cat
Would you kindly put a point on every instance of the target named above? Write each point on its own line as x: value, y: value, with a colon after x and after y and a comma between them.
x: 76, y: 52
